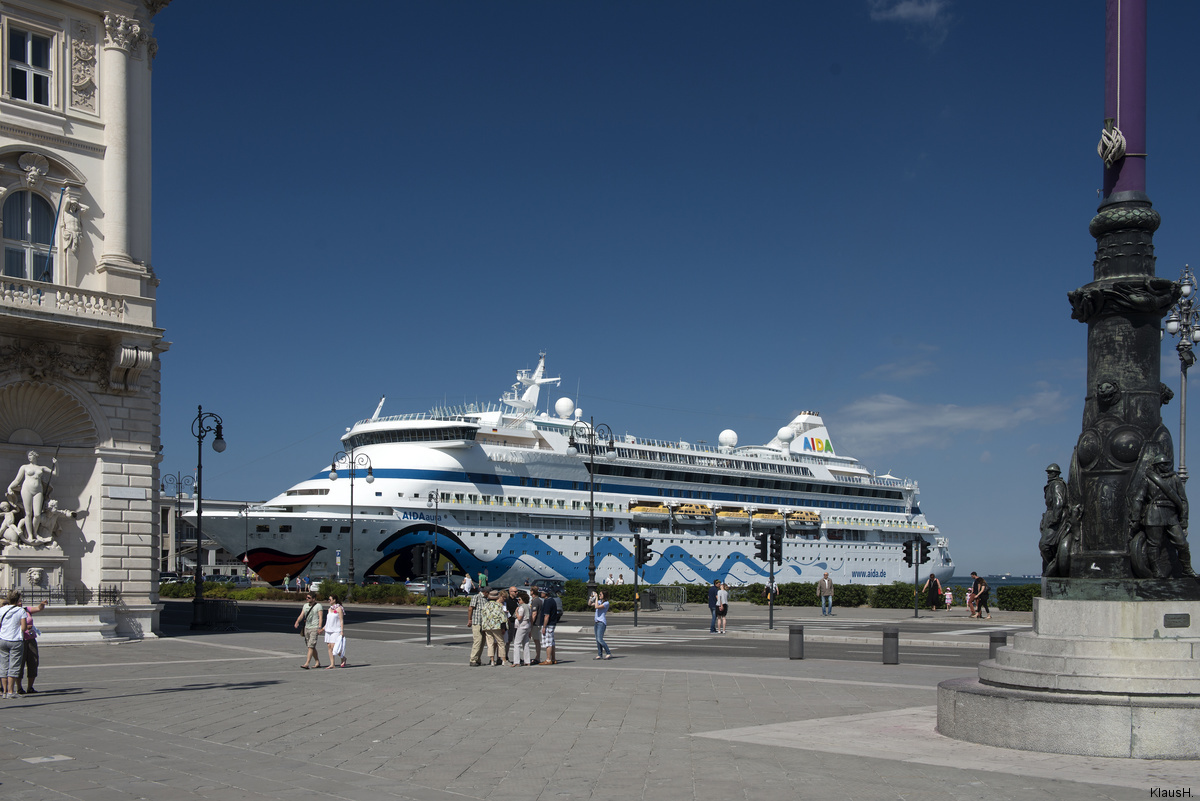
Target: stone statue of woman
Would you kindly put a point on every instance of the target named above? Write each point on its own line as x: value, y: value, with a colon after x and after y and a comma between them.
x: 33, y: 482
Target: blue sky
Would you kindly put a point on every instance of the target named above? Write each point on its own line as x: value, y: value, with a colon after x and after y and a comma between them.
x: 710, y: 215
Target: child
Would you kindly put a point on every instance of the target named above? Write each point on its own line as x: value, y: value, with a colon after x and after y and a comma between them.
x: 949, y: 598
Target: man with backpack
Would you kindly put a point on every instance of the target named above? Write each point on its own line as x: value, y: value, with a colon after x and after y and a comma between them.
x: 551, y: 612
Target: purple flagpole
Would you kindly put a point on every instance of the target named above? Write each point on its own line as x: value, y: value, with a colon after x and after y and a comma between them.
x: 1125, y: 92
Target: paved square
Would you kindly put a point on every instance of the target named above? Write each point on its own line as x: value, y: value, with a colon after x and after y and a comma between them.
x: 233, y: 716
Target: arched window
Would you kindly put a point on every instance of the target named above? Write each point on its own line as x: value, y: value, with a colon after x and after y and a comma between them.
x: 28, y: 229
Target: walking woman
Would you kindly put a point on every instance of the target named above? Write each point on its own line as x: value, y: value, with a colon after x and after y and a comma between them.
x: 335, y: 632
x: 722, y: 607
x: 981, y: 600
x: 600, y: 604
x: 933, y: 589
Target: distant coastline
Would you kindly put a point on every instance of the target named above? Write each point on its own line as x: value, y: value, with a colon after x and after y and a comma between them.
x: 993, y: 581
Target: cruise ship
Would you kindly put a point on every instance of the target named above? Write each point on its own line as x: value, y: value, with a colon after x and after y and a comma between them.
x: 516, y: 493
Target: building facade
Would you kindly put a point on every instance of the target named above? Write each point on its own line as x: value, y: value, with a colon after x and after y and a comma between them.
x: 80, y: 345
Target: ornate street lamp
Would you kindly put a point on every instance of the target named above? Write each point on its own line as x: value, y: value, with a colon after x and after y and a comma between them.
x: 591, y: 432
x: 1184, y: 320
x: 179, y: 483
x: 352, y: 460
x: 204, y: 423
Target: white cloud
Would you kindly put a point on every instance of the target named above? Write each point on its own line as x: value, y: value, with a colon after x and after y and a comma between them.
x: 886, y: 423
x: 901, y: 371
x: 929, y: 19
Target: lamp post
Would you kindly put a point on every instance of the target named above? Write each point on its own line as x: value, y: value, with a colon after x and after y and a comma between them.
x: 430, y: 561
x: 204, y: 423
x: 352, y: 460
x: 179, y: 483
x: 244, y: 512
x: 1184, y: 320
x: 591, y: 432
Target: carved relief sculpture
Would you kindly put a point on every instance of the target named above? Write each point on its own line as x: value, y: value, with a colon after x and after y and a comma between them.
x: 123, y: 33
x: 83, y: 68
x: 35, y: 166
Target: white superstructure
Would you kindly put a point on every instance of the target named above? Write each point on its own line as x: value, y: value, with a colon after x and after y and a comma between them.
x: 512, y: 488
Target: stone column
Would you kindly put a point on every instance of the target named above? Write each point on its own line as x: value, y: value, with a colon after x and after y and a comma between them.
x: 1123, y: 308
x: 121, y: 35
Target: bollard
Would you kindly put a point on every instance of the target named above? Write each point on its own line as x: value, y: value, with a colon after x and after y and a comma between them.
x: 891, y: 645
x: 795, y: 642
x: 996, y: 641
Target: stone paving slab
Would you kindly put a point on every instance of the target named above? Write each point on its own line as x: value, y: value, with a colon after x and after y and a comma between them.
x: 221, y: 716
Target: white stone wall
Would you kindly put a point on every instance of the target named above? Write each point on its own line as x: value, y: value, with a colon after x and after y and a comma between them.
x: 87, y: 343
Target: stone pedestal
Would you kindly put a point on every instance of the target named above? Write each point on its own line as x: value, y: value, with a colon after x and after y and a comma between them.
x: 16, y: 564
x: 1094, y: 678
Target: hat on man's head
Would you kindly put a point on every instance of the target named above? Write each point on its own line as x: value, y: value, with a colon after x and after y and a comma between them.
x: 494, y: 595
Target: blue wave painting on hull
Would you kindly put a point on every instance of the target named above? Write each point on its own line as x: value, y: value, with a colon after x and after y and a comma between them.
x: 681, y: 566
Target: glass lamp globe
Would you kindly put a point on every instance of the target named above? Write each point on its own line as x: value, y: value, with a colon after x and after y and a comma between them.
x: 333, y: 475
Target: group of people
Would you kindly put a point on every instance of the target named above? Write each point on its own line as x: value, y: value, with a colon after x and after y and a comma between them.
x: 718, y: 604
x: 515, y: 626
x: 977, y: 595
x: 316, y: 620
x: 18, y: 646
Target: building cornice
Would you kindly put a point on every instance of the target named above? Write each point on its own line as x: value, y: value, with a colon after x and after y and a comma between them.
x: 51, y: 140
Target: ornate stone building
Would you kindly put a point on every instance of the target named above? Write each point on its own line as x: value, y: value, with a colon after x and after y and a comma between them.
x: 79, y: 342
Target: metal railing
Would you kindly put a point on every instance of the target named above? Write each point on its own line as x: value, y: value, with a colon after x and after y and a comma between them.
x: 670, y: 597
x: 71, y: 596
x: 219, y: 614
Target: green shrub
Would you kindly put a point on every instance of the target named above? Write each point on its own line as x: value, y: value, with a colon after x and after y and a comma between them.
x: 850, y: 595
x: 798, y: 593
x: 1018, y: 597
x: 897, y: 595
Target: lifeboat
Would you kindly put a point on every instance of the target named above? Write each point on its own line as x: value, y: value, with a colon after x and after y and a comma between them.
x: 731, y: 516
x: 649, y: 511
x: 693, y: 510
x: 804, y: 521
x: 767, y: 519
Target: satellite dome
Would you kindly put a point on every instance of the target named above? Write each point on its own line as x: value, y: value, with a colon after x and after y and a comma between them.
x: 564, y: 407
x: 785, y: 435
x: 728, y: 438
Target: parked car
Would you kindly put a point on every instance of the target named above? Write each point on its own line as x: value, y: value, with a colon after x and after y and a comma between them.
x: 440, y: 587
x: 378, y: 580
x: 168, y: 577
x: 555, y: 587
x: 238, y: 582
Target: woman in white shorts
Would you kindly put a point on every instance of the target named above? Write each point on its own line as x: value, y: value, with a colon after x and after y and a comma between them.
x: 14, y: 620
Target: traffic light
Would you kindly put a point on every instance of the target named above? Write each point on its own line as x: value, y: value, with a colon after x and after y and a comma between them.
x: 924, y: 551
x: 641, y: 551
x: 777, y: 547
x: 908, y: 552
x: 762, y: 550
x: 418, y: 560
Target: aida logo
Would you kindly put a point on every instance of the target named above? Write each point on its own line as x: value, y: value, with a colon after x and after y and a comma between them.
x: 817, y: 445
